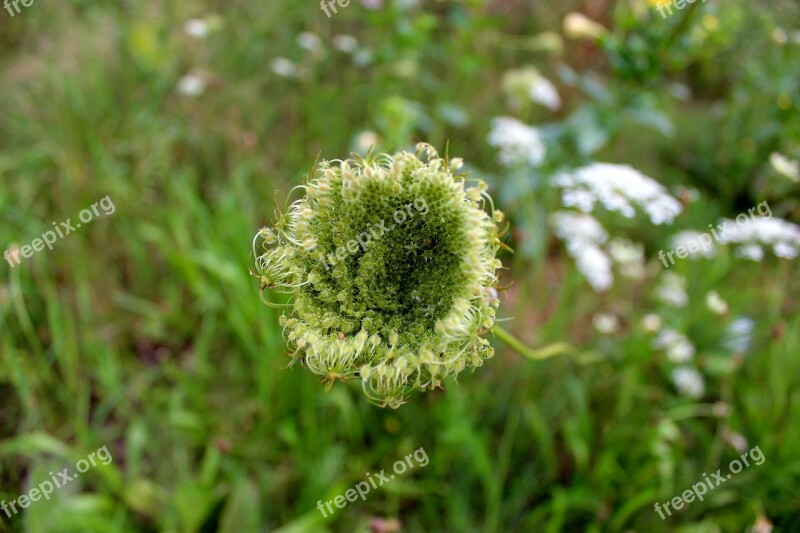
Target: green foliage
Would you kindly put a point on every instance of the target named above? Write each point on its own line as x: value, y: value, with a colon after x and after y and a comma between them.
x: 144, y: 332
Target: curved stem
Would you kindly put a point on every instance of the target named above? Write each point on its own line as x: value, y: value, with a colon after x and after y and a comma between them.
x: 552, y: 350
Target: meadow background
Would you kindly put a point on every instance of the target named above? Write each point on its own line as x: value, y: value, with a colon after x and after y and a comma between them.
x: 144, y: 332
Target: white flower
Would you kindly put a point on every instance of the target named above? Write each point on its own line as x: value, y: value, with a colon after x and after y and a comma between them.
x: 578, y: 25
x: 779, y: 36
x: 751, y: 252
x: 345, y: 43
x: 595, y: 266
x: 672, y: 290
x: 651, y: 322
x: 736, y: 440
x: 678, y: 348
x: 781, y: 235
x: 197, y: 28
x: 739, y: 335
x: 703, y: 249
x: 283, y: 67
x: 528, y: 83
x: 309, y: 41
x: 366, y: 140
x: 544, y: 92
x: 518, y: 143
x: 605, y: 323
x: 583, y: 236
x: 191, y: 85
x: 578, y: 230
x: 689, y: 382
x: 715, y: 302
x: 618, y: 188
x: 629, y: 256
x: 785, y: 166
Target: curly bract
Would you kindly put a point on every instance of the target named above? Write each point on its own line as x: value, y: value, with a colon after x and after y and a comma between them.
x: 391, y: 263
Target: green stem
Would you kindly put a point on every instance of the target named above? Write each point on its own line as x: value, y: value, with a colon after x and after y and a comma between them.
x: 552, y: 350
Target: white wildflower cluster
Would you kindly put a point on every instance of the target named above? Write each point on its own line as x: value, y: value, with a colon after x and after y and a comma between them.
x: 345, y: 43
x: 585, y: 239
x: 584, y: 236
x: 618, y: 188
x: 756, y: 233
x: 739, y: 335
x: 629, y: 256
x: 672, y: 290
x: 283, y: 67
x: 605, y: 323
x: 688, y: 240
x: 651, y: 322
x: 518, y: 143
x: 785, y: 166
x: 309, y: 41
x: 679, y: 351
x: 716, y: 304
x: 689, y: 382
x: 545, y: 93
x: 527, y: 83
x: 192, y: 85
x: 201, y: 28
x: 678, y: 347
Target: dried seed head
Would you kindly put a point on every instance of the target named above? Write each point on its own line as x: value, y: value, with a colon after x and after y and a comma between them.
x: 391, y: 262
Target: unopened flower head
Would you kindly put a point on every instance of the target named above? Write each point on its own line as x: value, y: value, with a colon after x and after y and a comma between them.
x: 407, y: 302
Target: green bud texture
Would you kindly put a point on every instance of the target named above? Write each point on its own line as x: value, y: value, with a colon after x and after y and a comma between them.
x: 391, y: 262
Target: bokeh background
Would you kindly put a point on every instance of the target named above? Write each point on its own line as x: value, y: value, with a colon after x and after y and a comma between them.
x: 144, y: 332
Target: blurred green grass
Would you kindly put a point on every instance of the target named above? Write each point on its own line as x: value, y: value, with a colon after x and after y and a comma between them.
x: 144, y: 332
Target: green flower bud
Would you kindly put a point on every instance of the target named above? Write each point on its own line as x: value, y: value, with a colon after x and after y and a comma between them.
x: 391, y: 263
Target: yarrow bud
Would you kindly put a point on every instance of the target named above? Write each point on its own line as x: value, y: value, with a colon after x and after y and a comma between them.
x: 391, y: 263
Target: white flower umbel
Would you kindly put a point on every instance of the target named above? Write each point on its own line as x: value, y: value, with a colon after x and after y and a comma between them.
x: 518, y: 143
x: 688, y: 239
x: 583, y: 236
x: 605, y: 323
x: 527, y: 83
x: 309, y: 41
x: 345, y: 43
x: 689, y: 382
x: 618, y: 188
x: 197, y: 28
x: 191, y: 85
x: 715, y: 302
x: 629, y: 256
x: 785, y: 166
x: 651, y: 323
x: 754, y: 233
x: 672, y: 290
x: 283, y: 67
x: 677, y: 346
x: 545, y: 93
x: 739, y: 335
